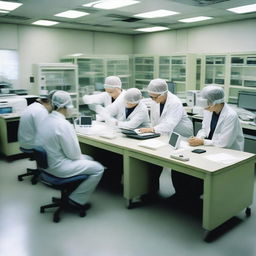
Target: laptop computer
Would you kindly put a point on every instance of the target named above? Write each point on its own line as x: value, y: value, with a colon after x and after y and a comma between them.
x: 141, y: 136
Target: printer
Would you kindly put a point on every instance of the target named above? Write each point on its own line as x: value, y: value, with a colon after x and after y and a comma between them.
x: 191, y: 97
x: 12, y: 104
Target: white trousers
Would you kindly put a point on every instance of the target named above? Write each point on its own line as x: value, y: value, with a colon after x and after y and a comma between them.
x: 94, y: 170
x: 166, y: 188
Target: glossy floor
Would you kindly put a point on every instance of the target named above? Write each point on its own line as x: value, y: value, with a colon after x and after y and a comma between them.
x: 109, y: 229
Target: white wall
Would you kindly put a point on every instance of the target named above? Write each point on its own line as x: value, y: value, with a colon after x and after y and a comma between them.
x: 40, y: 44
x: 239, y: 36
x: 9, y: 37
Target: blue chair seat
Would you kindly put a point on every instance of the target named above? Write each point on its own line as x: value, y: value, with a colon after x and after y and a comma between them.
x: 50, y: 179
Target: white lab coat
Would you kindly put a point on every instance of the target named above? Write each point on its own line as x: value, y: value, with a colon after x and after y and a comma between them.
x: 228, y: 132
x: 138, y: 118
x: 102, y: 98
x: 173, y: 118
x: 105, y: 113
x: 57, y: 136
x: 30, y: 120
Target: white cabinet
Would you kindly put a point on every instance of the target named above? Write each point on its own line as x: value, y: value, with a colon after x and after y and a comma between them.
x: 92, y: 71
x: 242, y: 74
x: 215, y: 70
x: 233, y: 71
x: 56, y: 76
x: 179, y: 69
x: 143, y: 70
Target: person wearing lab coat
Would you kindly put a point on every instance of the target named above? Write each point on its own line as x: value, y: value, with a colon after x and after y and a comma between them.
x: 31, y: 118
x: 58, y: 137
x: 167, y: 116
x: 128, y: 113
x: 220, y: 128
x: 113, y: 88
x: 167, y: 113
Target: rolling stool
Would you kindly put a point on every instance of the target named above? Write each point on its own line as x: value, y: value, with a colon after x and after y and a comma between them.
x: 65, y: 185
x: 30, y: 172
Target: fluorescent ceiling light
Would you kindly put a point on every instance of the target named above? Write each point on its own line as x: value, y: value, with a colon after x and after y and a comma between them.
x: 76, y: 54
x: 2, y: 11
x: 111, y: 4
x: 9, y: 6
x: 151, y: 29
x: 156, y: 14
x: 71, y: 14
x: 45, y: 23
x: 195, y: 19
x: 243, y: 9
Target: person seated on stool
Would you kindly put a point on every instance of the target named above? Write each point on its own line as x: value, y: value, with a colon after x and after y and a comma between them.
x: 167, y: 116
x: 220, y: 127
x: 58, y: 137
x: 130, y: 113
x: 31, y: 118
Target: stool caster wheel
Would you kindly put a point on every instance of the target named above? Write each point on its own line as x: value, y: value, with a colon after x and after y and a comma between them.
x: 248, y: 212
x: 56, y: 219
x: 33, y: 182
x: 20, y: 178
x: 82, y: 214
x: 129, y: 204
x: 41, y: 210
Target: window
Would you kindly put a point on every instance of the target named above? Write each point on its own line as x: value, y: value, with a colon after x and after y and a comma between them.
x: 9, y: 67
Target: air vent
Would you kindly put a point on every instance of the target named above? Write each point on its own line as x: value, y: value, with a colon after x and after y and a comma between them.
x: 15, y: 17
x: 131, y: 20
x: 200, y: 2
x: 116, y: 16
x: 89, y: 10
x: 102, y: 26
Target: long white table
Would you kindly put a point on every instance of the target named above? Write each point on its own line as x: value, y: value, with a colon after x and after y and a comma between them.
x: 228, y: 188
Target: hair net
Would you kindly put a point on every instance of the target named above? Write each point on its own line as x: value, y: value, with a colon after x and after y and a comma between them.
x: 46, y: 97
x: 213, y: 94
x: 132, y: 95
x: 51, y: 94
x: 157, y: 86
x: 112, y: 82
x: 61, y: 99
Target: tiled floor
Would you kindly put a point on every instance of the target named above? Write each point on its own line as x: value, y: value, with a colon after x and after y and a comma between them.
x: 109, y: 229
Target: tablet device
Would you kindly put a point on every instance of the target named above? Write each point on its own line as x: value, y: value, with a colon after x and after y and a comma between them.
x: 174, y: 140
x: 85, y: 121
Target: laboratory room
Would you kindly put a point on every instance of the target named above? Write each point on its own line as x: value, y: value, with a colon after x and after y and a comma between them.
x: 127, y: 127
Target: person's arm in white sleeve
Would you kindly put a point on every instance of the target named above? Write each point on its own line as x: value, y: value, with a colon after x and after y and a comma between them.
x: 69, y: 142
x: 171, y: 119
x: 94, y: 99
x: 134, y: 122
x: 201, y: 134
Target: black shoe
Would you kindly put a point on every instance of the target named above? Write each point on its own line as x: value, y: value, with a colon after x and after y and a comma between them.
x: 86, y: 206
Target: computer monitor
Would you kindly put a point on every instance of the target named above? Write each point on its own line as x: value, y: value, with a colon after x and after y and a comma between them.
x: 171, y: 87
x: 247, y: 100
x: 174, y: 140
x: 5, y: 110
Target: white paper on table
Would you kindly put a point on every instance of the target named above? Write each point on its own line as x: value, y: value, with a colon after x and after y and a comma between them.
x: 224, y: 158
x: 152, y: 143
